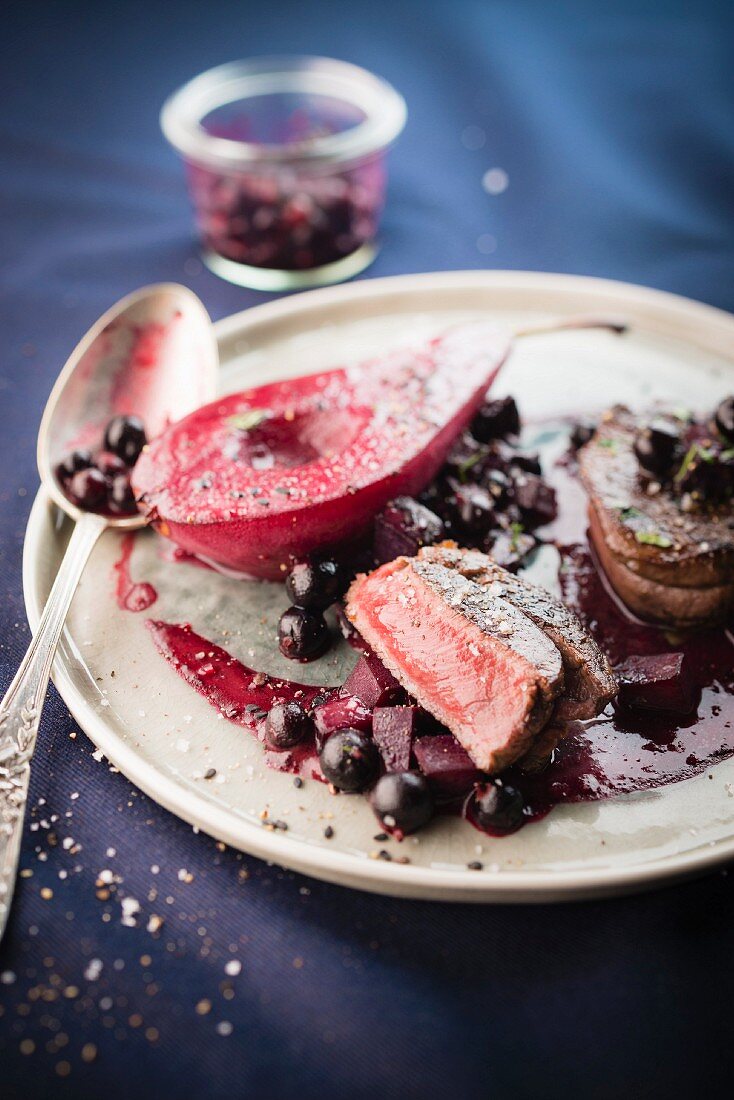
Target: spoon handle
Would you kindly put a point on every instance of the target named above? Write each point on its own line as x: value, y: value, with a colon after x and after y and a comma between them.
x: 20, y: 710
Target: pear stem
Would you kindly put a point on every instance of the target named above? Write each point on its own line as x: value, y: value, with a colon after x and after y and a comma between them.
x: 611, y: 324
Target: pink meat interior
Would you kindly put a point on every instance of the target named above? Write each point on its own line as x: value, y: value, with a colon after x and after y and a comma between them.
x: 480, y: 688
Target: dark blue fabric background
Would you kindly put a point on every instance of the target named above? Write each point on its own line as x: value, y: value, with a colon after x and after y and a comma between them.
x: 615, y: 124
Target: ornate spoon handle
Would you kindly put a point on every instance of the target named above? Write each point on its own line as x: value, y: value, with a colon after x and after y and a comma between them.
x: 20, y: 710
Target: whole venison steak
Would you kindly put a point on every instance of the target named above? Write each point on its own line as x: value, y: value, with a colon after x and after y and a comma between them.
x: 670, y: 559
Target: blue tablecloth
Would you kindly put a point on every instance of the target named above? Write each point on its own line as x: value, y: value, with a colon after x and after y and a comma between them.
x: 614, y: 124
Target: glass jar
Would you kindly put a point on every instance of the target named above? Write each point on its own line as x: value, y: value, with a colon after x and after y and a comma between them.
x: 285, y: 160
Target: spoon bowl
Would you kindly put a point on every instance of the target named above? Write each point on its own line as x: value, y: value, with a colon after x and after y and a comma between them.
x: 151, y: 355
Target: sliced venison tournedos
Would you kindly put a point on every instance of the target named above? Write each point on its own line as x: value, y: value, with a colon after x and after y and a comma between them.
x: 470, y: 658
x: 589, y: 681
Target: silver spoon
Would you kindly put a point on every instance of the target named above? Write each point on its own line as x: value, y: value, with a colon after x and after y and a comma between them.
x: 153, y: 355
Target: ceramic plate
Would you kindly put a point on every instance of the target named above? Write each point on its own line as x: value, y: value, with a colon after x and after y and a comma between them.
x: 164, y: 737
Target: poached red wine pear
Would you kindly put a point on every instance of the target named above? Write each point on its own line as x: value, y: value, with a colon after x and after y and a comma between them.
x: 261, y: 479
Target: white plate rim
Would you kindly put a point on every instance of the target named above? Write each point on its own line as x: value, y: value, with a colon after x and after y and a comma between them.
x: 662, y: 308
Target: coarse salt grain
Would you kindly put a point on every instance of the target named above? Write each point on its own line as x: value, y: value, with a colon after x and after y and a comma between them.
x: 93, y: 970
x: 130, y: 909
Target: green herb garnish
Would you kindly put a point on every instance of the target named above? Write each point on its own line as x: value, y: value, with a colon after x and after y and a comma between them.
x: 249, y: 419
x: 688, y: 460
x: 466, y: 466
x: 516, y: 530
x: 653, y: 538
x: 627, y: 512
x: 608, y: 444
x: 694, y: 452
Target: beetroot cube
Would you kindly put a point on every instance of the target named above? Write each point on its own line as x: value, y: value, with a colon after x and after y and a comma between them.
x: 523, y: 460
x: 658, y: 682
x: 371, y: 682
x: 392, y: 731
x: 403, y: 528
x: 473, y: 507
x: 338, y: 713
x: 496, y: 418
x: 446, y: 765
x: 535, y: 499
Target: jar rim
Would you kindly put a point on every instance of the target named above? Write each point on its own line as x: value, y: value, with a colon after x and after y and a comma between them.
x: 383, y: 107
